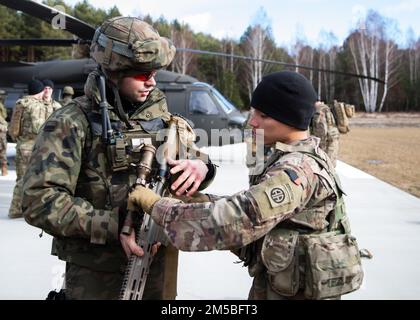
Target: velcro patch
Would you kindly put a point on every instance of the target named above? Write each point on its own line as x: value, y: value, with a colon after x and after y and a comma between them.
x: 293, y: 176
x: 50, y: 126
x: 139, y: 141
x: 277, y: 196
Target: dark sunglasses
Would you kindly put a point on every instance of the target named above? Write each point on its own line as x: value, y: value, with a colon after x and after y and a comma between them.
x: 145, y: 76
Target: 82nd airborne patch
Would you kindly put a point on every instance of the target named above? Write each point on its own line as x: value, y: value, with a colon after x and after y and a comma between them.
x: 278, y: 196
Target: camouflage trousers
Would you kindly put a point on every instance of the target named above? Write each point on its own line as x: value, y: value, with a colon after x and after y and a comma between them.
x: 86, y: 284
x: 261, y: 290
x: 23, y: 155
x: 3, y: 147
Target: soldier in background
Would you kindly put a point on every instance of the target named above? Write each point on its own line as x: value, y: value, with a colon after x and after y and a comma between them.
x: 29, y: 114
x: 68, y: 94
x: 291, y: 219
x: 77, y: 191
x: 3, y: 134
x: 324, y: 127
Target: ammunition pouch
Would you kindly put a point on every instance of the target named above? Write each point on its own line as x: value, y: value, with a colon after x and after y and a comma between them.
x: 126, y: 149
x: 117, y: 155
x: 325, y: 265
x: 332, y: 265
x: 280, y: 256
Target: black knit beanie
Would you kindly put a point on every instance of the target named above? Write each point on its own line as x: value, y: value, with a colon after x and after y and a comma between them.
x: 48, y: 83
x: 35, y: 86
x: 287, y: 97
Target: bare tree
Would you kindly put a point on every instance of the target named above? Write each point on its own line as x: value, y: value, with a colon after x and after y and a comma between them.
x: 255, y: 46
x: 298, y: 52
x: 332, y: 56
x: 413, y: 55
x: 374, y: 54
x: 307, y: 59
x: 321, y: 65
x: 327, y: 58
x: 257, y: 43
x: 299, y: 47
x: 182, y: 37
x: 391, y: 57
x: 227, y: 46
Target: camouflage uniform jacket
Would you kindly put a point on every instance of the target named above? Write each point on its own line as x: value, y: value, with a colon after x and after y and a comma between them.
x: 28, y: 116
x: 65, y: 101
x: 293, y: 191
x: 70, y: 190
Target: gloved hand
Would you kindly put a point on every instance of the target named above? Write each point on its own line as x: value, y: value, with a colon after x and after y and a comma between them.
x: 197, y: 197
x: 142, y: 197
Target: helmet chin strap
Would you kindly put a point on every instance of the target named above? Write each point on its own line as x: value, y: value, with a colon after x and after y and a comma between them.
x: 120, y: 110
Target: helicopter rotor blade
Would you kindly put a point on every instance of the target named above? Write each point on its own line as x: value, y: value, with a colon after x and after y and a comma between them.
x: 73, y: 25
x: 42, y: 42
x: 279, y: 63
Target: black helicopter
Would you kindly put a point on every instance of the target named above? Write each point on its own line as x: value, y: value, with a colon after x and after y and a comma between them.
x: 199, y: 102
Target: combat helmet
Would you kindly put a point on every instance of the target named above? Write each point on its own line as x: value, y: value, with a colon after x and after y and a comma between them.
x: 68, y: 90
x: 127, y: 45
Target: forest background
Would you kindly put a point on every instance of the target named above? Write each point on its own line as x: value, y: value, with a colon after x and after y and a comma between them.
x: 371, y: 48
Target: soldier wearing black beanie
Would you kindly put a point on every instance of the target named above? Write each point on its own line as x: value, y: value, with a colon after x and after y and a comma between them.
x: 35, y: 86
x: 286, y: 96
x: 48, y: 83
x: 293, y: 207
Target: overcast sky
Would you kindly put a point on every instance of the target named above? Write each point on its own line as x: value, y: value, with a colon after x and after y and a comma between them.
x: 230, y: 18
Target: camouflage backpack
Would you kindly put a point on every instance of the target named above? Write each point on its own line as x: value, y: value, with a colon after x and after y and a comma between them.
x: 342, y: 112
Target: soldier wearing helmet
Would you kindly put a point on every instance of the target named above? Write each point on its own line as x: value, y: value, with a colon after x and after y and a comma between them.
x: 3, y: 134
x: 77, y: 183
x: 68, y: 94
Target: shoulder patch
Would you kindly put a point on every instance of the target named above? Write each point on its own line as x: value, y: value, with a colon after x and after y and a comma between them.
x: 275, y: 197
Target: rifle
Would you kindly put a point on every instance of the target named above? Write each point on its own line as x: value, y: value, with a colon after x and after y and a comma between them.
x: 149, y: 232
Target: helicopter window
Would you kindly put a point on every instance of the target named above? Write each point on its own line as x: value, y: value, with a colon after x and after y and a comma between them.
x: 202, y: 103
x: 226, y: 105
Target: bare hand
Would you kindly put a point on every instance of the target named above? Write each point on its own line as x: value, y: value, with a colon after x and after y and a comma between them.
x: 130, y: 245
x: 193, y: 173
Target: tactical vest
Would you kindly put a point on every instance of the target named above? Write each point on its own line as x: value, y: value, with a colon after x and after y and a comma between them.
x: 307, y: 217
x: 111, y: 165
x: 292, y: 254
x: 305, y: 222
x: 105, y: 177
